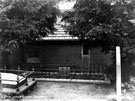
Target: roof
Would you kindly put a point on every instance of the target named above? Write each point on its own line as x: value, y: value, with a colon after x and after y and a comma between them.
x: 59, y: 37
x: 60, y: 33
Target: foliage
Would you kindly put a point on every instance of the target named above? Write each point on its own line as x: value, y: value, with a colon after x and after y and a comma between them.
x: 99, y: 20
x: 111, y: 22
x: 25, y: 20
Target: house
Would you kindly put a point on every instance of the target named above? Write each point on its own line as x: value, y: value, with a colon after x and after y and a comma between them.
x: 60, y: 52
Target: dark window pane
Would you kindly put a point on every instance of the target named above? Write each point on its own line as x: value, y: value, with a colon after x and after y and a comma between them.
x: 85, y: 50
x: 32, y: 54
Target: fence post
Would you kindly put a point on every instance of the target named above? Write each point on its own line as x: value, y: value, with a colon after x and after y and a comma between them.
x: 5, y: 68
x: 0, y: 84
x: 18, y: 79
x: 118, y: 73
x: 33, y: 72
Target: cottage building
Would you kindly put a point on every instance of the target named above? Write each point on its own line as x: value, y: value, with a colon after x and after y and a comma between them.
x: 59, y: 51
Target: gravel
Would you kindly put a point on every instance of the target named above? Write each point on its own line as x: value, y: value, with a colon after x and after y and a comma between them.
x: 59, y: 91
x: 53, y: 91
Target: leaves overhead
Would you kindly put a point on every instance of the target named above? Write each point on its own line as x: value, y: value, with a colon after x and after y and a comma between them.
x: 101, y: 20
x: 26, y: 20
x: 106, y: 23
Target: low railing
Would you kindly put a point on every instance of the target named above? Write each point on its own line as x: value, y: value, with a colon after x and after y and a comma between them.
x: 72, y: 74
x: 95, y: 71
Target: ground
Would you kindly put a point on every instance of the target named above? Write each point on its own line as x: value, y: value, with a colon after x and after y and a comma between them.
x: 50, y: 91
x: 58, y: 91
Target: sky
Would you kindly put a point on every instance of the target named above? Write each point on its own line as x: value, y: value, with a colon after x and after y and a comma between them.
x: 66, y: 5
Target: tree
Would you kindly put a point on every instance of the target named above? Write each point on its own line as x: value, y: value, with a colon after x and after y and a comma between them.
x: 103, y: 21
x: 23, y: 21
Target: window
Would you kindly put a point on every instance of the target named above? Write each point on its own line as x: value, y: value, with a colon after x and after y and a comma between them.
x: 33, y: 54
x: 85, y: 49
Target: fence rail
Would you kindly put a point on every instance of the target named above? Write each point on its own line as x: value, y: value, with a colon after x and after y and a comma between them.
x: 96, y: 71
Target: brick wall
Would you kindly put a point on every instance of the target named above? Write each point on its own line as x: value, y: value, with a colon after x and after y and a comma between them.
x: 14, y: 59
x: 62, y: 55
x: 97, y: 56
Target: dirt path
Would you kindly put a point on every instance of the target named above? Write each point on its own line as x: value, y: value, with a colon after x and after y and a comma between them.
x: 50, y: 91
x: 54, y: 91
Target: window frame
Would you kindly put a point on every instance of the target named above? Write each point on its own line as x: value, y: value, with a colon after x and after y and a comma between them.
x: 85, y: 50
x: 33, y: 53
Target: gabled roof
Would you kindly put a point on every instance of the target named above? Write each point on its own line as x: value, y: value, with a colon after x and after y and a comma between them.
x: 59, y: 37
x: 60, y: 33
